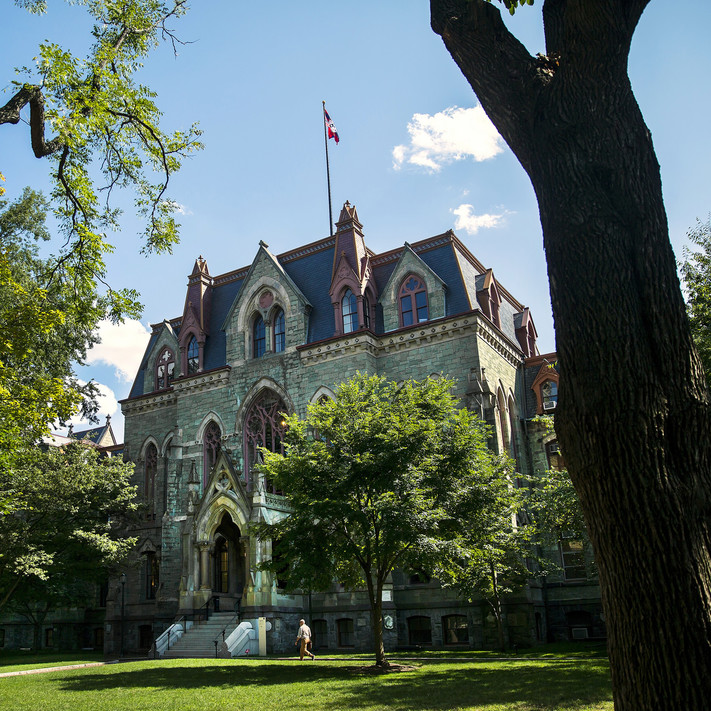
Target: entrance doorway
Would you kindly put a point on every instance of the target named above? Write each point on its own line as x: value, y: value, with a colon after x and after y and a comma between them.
x: 228, y: 565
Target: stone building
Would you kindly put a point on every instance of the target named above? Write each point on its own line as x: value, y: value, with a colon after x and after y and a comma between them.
x: 270, y: 338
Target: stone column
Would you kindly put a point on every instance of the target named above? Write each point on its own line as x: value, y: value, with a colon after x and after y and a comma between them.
x: 245, y: 551
x: 204, y: 565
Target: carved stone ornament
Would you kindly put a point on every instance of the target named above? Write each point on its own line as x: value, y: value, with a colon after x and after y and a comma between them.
x: 266, y: 298
x: 223, y: 483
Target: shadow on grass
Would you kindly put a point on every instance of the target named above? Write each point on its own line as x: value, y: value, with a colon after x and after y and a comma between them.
x: 562, y: 685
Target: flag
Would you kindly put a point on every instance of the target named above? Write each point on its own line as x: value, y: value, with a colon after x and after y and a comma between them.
x: 332, y: 133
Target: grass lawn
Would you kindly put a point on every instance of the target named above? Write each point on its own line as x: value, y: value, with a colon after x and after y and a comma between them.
x: 17, y: 661
x: 552, y: 684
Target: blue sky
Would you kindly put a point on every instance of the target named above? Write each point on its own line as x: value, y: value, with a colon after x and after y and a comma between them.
x: 415, y: 156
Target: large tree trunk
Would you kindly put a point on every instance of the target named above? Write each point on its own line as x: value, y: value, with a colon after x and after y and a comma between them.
x: 375, y: 595
x: 633, y: 415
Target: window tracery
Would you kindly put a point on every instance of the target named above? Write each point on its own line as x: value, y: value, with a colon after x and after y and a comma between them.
x: 193, y: 362
x: 150, y: 471
x: 258, y: 338
x: 264, y: 427
x: 279, y: 332
x: 414, y: 306
x: 349, y: 310
x: 211, y: 448
x: 165, y: 369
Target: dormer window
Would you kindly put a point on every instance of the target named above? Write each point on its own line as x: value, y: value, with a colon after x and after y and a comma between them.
x: 545, y: 388
x: 549, y: 395
x: 258, y: 337
x: 413, y: 301
x: 279, y: 332
x: 193, y: 356
x: 349, y: 309
x: 366, y: 311
x: 165, y: 369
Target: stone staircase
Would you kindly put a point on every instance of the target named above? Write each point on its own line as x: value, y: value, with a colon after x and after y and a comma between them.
x: 199, y: 640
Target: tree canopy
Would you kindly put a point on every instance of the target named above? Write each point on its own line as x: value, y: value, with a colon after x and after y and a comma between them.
x: 696, y: 273
x: 47, y: 324
x: 98, y: 129
x: 373, y: 478
x: 64, y: 535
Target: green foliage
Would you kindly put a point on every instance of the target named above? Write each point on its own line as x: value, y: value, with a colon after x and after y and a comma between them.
x: 64, y: 533
x: 376, y: 480
x: 495, y: 551
x: 555, y: 507
x: 696, y: 273
x: 105, y: 134
x: 47, y: 322
x: 511, y: 5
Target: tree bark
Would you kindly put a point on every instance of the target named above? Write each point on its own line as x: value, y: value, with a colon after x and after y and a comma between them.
x: 633, y: 413
x: 10, y: 113
x: 375, y: 595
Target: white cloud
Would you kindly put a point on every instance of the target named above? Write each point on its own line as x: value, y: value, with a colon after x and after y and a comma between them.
x: 107, y: 405
x: 450, y: 135
x: 121, y: 346
x: 180, y: 209
x: 471, y: 223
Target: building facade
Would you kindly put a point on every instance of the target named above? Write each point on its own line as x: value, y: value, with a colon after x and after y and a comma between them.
x: 272, y: 337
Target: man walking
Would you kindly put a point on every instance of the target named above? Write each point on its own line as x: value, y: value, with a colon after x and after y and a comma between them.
x: 303, y: 638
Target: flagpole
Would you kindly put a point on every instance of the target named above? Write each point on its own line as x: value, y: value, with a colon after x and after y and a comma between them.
x: 328, y: 172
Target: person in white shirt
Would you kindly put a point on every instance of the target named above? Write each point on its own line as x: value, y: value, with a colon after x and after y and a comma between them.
x: 303, y: 638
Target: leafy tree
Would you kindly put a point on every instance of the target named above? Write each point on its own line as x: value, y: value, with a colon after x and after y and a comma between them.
x: 103, y: 122
x: 696, y: 272
x: 372, y: 478
x: 99, y: 131
x: 46, y: 326
x: 64, y: 536
x: 633, y: 408
x: 494, y: 545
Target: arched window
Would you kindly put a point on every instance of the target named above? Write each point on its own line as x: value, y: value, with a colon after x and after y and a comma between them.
x: 413, y: 301
x: 349, y: 309
x: 279, y: 332
x: 494, y: 309
x: 165, y: 369
x: 210, y: 448
x: 503, y: 422
x: 264, y: 427
x: 513, y: 448
x: 150, y: 471
x: 366, y: 311
x: 258, y: 338
x: 193, y: 356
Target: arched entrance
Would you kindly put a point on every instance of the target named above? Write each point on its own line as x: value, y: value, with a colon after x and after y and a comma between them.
x: 228, y: 562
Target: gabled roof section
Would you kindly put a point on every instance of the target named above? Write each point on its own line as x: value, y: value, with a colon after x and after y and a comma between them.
x: 102, y: 436
x: 264, y: 253
x: 407, y: 261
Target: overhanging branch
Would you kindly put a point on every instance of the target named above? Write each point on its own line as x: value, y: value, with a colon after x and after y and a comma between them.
x: 10, y: 113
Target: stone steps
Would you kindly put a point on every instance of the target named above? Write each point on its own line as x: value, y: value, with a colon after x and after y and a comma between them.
x: 199, y: 640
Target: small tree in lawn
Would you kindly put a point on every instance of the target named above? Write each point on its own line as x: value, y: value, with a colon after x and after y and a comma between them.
x: 488, y: 554
x: 372, y: 478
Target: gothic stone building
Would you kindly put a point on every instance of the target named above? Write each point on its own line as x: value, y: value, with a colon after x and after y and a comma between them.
x: 270, y: 338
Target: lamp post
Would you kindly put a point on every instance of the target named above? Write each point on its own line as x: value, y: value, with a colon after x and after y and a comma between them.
x: 123, y: 589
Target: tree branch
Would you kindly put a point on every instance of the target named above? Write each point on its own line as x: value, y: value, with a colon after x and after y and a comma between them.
x: 503, y: 75
x: 10, y: 113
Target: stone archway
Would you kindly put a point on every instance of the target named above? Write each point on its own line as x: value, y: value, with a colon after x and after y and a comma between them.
x: 228, y: 560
